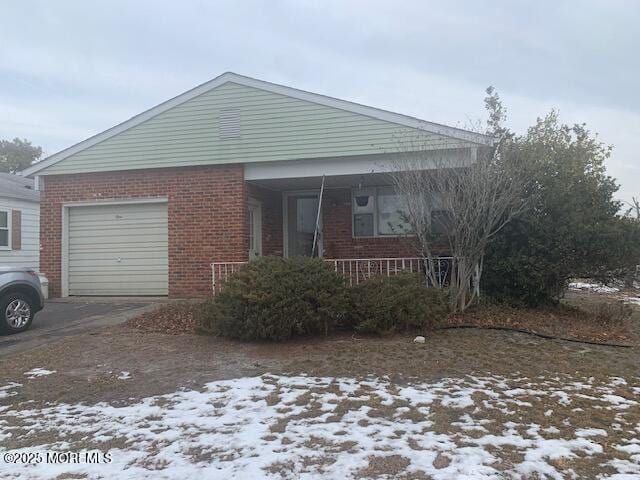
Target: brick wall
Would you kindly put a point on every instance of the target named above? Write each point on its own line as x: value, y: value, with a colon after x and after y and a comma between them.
x: 271, y: 219
x: 206, y: 208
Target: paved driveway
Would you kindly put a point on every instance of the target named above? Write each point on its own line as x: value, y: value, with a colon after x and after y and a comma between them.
x: 70, y: 317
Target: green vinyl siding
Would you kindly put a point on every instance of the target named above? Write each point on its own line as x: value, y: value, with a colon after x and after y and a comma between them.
x: 272, y: 127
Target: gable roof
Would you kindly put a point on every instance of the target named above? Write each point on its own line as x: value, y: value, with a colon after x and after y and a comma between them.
x: 14, y: 186
x: 355, y: 108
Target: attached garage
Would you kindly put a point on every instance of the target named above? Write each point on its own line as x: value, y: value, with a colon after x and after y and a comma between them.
x: 117, y: 249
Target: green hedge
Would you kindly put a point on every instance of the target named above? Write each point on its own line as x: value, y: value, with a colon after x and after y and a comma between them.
x: 385, y: 305
x: 275, y: 298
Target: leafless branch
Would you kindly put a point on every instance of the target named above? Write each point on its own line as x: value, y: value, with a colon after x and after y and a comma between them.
x: 478, y: 191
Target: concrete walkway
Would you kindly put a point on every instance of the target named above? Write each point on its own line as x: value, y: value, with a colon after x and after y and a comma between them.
x: 70, y: 316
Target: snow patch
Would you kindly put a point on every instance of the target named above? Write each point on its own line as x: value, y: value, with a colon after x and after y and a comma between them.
x: 5, y: 391
x: 591, y: 432
x: 38, y: 372
x: 594, y: 287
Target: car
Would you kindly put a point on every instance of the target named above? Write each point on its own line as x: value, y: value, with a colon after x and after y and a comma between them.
x: 20, y: 298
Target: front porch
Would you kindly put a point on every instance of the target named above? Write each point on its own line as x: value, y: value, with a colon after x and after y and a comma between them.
x: 348, y: 214
x: 351, y: 221
x: 283, y: 220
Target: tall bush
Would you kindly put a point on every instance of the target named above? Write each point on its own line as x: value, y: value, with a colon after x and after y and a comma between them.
x: 571, y: 228
x: 385, y: 305
x: 275, y: 298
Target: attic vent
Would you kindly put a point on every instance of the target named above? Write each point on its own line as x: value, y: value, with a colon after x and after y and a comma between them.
x: 229, y: 125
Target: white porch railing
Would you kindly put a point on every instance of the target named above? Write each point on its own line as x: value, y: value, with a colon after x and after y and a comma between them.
x: 354, y: 270
x: 221, y: 271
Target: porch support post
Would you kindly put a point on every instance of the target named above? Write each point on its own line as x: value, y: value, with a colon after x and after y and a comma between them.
x: 315, y: 234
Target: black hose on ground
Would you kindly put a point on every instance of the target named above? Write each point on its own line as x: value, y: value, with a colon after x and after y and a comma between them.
x: 541, y: 335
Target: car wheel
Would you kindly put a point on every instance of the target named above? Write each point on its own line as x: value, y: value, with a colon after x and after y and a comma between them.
x: 16, y: 312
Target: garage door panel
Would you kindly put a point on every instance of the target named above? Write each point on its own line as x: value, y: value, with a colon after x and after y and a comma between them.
x: 123, y: 248
x: 98, y: 261
x: 91, y: 224
x: 102, y: 277
x: 116, y: 236
x: 109, y: 258
x: 140, y: 273
x: 117, y: 292
x: 115, y: 227
x: 107, y: 215
x: 118, y: 250
x: 116, y: 212
x: 108, y: 264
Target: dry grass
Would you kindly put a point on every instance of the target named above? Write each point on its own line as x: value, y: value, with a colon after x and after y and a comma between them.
x: 172, y: 319
x: 605, y: 323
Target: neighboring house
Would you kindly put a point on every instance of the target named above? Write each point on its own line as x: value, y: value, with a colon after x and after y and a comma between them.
x: 223, y: 173
x: 19, y: 222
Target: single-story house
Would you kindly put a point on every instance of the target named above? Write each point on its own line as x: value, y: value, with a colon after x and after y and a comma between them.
x: 172, y: 200
x: 19, y: 222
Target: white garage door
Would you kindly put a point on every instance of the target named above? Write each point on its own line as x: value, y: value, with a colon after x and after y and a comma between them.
x: 118, y: 250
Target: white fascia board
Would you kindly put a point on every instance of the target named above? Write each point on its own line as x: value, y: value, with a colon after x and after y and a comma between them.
x: 356, y: 165
x: 314, y: 168
x: 372, y: 112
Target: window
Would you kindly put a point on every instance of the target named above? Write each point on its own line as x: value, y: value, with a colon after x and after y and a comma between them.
x: 440, y: 222
x: 378, y: 212
x: 363, y: 225
x: 391, y: 212
x: 5, y: 229
x: 441, y: 218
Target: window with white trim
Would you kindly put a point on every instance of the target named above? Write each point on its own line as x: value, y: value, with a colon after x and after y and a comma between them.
x: 5, y: 229
x: 378, y: 212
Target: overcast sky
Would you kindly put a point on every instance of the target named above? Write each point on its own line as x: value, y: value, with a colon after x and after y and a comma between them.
x: 70, y: 69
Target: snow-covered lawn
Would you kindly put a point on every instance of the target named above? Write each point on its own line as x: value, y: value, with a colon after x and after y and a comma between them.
x: 276, y: 426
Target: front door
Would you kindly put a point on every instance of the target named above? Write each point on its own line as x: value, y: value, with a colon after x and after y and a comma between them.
x: 255, y: 229
x: 302, y: 213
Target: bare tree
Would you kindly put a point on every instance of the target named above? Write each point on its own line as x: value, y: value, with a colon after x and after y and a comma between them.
x: 461, y: 199
x: 633, y: 211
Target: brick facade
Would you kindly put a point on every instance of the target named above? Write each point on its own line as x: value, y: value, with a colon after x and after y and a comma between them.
x: 271, y: 201
x: 208, y: 222
x: 206, y: 209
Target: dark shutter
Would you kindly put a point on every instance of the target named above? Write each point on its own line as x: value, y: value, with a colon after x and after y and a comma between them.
x: 16, y: 229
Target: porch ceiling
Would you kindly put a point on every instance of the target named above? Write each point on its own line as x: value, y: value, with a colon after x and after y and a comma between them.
x: 332, y: 181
